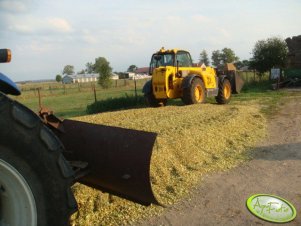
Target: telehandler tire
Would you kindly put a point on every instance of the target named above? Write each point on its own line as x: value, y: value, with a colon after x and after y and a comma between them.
x: 195, y: 92
x: 224, y: 91
x: 151, y: 101
x: 35, y: 178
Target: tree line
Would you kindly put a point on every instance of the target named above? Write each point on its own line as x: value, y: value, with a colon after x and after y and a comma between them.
x: 267, y: 53
x: 101, y: 66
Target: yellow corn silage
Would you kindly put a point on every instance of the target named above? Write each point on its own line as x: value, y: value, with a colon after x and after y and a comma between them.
x: 192, y: 140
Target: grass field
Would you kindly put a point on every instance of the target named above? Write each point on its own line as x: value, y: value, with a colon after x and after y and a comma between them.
x: 72, y: 101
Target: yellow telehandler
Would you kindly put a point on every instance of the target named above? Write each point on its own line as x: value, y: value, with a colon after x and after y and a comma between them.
x: 175, y: 76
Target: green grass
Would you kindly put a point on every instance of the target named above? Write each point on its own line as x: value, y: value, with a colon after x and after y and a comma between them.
x: 73, y: 102
x: 262, y: 93
x: 117, y: 103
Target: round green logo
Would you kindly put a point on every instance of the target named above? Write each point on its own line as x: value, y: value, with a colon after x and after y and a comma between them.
x: 271, y: 208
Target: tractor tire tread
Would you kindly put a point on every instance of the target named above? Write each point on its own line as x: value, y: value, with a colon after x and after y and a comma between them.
x: 25, y: 122
x: 188, y: 92
x: 220, y: 98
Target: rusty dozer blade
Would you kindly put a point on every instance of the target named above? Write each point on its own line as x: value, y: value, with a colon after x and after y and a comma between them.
x: 118, y: 159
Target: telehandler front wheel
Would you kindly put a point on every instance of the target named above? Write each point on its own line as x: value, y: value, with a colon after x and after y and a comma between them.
x: 194, y: 93
x: 151, y: 101
x: 224, y: 92
x: 35, y: 178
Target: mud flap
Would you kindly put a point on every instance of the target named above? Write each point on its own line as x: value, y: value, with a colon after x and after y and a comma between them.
x: 118, y: 159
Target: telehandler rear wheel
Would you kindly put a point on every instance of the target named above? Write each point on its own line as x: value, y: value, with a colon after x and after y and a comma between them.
x: 195, y: 93
x: 35, y: 178
x: 151, y: 100
x: 224, y: 92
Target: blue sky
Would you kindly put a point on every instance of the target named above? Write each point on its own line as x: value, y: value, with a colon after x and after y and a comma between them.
x: 46, y: 35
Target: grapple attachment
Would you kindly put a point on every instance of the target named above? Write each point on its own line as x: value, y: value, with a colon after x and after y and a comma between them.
x: 118, y: 159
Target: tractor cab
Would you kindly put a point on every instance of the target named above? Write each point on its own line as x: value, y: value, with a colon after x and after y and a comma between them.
x: 173, y: 58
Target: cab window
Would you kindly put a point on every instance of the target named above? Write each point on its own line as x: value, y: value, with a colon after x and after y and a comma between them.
x: 184, y: 59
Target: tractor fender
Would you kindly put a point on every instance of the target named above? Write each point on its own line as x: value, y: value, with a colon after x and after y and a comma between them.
x: 187, y: 80
x: 222, y: 78
x: 7, y: 86
x: 147, y: 88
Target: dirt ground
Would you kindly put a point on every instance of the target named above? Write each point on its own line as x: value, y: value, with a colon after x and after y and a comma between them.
x: 275, y: 169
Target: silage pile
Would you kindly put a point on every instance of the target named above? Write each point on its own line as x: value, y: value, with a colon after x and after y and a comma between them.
x: 192, y: 140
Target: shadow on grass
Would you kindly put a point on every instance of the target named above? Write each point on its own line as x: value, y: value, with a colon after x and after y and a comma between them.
x: 116, y: 104
x: 256, y: 90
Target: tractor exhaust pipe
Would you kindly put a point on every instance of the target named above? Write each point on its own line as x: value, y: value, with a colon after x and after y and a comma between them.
x: 118, y: 159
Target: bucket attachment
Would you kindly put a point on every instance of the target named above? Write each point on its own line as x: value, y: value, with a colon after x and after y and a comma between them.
x: 118, y: 159
x: 230, y: 71
x: 238, y: 83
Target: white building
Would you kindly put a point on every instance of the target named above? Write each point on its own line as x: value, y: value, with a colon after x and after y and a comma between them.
x: 80, y: 78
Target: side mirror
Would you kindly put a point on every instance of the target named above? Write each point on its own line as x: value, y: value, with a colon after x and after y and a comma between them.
x: 5, y: 55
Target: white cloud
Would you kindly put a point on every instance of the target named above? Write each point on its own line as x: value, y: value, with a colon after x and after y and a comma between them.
x: 33, y: 47
x: 59, y: 25
x: 130, y: 34
x: 13, y: 6
x: 88, y: 37
x: 201, y: 19
x: 32, y: 25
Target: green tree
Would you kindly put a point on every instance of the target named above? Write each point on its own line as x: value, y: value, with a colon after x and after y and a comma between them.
x: 228, y: 56
x: 68, y: 70
x: 132, y: 68
x: 102, y: 66
x: 81, y: 72
x: 269, y: 53
x: 216, y: 58
x: 204, y: 58
x: 239, y: 64
x: 58, y: 78
x: 90, y: 68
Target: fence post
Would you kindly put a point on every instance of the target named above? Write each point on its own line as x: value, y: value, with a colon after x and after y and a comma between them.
x: 135, y: 89
x: 94, y: 90
x: 116, y: 83
x: 40, y: 102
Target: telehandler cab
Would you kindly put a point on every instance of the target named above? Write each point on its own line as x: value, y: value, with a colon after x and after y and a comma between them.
x: 175, y: 76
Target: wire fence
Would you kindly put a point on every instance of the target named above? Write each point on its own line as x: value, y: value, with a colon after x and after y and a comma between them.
x: 56, y: 89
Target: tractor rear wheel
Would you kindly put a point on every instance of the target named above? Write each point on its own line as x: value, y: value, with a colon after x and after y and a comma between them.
x: 151, y: 100
x: 224, y: 92
x: 195, y: 93
x: 35, y: 178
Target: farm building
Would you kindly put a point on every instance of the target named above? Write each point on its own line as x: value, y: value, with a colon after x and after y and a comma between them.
x: 80, y: 78
x: 141, y: 73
